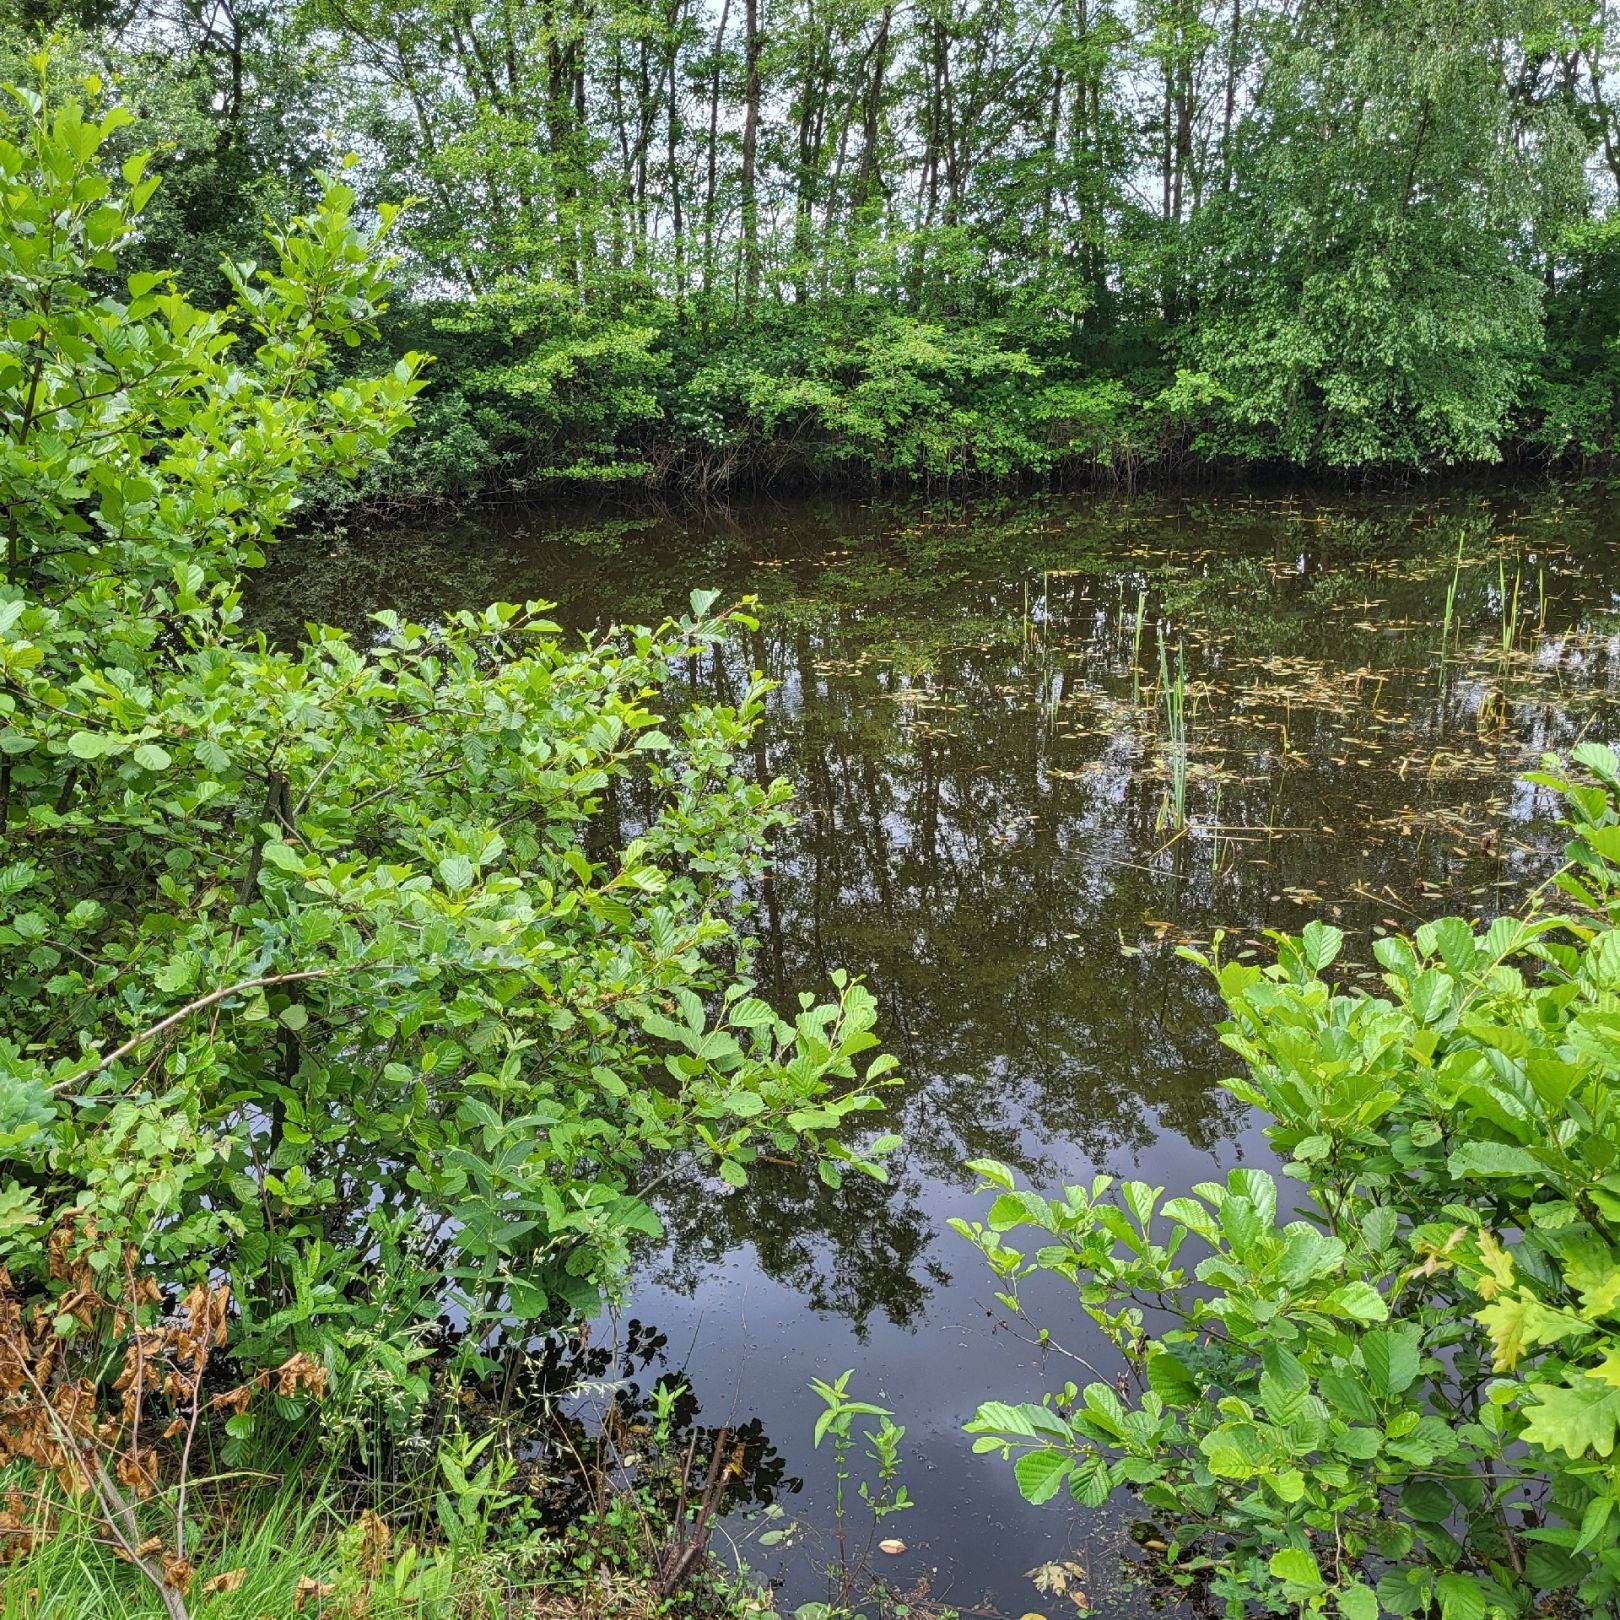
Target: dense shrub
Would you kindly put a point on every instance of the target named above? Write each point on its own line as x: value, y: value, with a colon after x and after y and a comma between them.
x: 1389, y: 1385
x: 374, y: 981
x: 532, y: 389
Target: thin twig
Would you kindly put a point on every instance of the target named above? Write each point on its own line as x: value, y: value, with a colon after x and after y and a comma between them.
x: 184, y: 1013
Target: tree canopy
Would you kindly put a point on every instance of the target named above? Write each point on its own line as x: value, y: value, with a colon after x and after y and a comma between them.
x: 702, y: 241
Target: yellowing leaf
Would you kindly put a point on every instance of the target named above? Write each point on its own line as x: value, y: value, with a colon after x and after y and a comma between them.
x: 1579, y: 1420
x: 1517, y: 1325
x: 1498, y: 1267
x: 1593, y: 1273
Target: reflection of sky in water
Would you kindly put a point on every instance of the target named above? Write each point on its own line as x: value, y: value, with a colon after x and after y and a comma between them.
x: 981, y: 832
x: 753, y: 1347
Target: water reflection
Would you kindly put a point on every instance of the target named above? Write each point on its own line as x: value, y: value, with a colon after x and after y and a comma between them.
x: 596, y: 1396
x: 967, y: 704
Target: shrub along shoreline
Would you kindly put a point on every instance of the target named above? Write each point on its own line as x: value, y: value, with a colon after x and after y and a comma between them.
x: 1404, y: 1398
x: 860, y: 398
x: 343, y: 1033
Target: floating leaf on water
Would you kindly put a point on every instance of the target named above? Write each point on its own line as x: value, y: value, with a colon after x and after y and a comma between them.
x: 893, y: 1546
x: 1059, y: 1577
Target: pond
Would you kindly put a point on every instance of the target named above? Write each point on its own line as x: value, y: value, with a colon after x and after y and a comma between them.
x: 1001, y: 827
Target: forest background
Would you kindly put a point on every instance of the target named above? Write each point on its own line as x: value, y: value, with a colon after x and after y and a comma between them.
x: 703, y: 243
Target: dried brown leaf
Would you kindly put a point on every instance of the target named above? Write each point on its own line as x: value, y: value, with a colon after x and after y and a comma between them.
x: 309, y: 1588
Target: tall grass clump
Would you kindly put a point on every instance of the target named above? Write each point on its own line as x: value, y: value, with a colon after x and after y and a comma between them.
x: 1173, y: 702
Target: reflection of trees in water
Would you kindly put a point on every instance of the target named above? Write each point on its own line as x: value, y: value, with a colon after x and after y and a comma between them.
x: 978, y: 834
x: 980, y: 798
x: 984, y: 895
x: 588, y: 1412
x: 853, y: 1252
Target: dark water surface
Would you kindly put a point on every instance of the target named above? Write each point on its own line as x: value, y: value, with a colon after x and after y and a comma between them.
x: 973, y: 723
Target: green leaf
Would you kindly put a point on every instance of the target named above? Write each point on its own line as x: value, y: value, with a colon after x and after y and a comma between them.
x: 1041, y: 1473
x: 1490, y: 1159
x: 92, y: 744
x: 1321, y: 943
x: 1358, y: 1300
x: 1193, y: 1215
x: 1140, y: 1199
x: 750, y: 1013
x: 1234, y: 1451
x: 1594, y: 1522
x: 1296, y: 1567
x: 528, y: 1301
x: 1427, y: 1500
x: 1391, y: 1358
x: 17, y: 876
x: 1284, y: 1386
x: 1403, y: 1591
x: 457, y: 872
x: 1362, y: 1444
x: 152, y: 758
x: 993, y: 1171
x: 1461, y: 1597
x: 1357, y: 1601
x: 1091, y: 1483
x: 1455, y: 941
x: 1170, y: 1380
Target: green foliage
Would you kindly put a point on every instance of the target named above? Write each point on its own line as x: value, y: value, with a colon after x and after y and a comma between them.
x: 538, y: 389
x: 1393, y: 1389
x: 882, y: 1495
x: 302, y: 1545
x: 332, y: 972
x: 1571, y: 406
x: 700, y: 244
x: 1365, y: 304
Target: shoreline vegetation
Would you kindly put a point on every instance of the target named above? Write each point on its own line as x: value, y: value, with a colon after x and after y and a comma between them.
x: 1180, y: 477
x: 342, y: 1039
x: 711, y: 245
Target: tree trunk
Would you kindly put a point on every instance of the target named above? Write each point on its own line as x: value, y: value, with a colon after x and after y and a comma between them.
x: 750, y: 152
x: 710, y: 201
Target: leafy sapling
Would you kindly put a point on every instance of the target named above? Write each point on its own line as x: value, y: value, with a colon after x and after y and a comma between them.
x: 883, y: 1493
